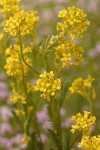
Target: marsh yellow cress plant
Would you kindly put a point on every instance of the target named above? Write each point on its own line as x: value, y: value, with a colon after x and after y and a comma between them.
x: 48, y: 85
x: 73, y: 21
x: 69, y: 54
x: 9, y: 7
x: 90, y: 143
x: 83, y: 122
x: 26, y: 60
x: 22, y: 22
x: 83, y: 86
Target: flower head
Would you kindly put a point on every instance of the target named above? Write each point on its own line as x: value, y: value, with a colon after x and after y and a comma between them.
x: 69, y: 54
x: 14, y: 64
x: 9, y: 7
x: 22, y: 22
x: 17, y: 97
x: 48, y: 85
x: 83, y: 122
x: 90, y: 143
x: 82, y: 87
x: 74, y: 22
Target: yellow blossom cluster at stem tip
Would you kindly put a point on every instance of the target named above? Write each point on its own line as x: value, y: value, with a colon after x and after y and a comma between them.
x: 90, y: 143
x: 22, y: 23
x: 48, y: 85
x: 83, y: 123
x: 74, y: 22
x: 83, y: 86
x: 9, y: 7
x: 20, y: 112
x: 69, y: 54
x: 30, y: 87
x: 26, y: 139
x: 18, y: 97
x: 14, y: 64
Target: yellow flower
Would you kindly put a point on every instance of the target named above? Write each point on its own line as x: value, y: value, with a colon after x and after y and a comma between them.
x: 20, y: 112
x: 14, y: 63
x: 48, y: 85
x: 90, y: 143
x: 74, y: 22
x: 9, y: 7
x: 26, y: 139
x: 69, y: 54
x: 82, y: 87
x: 22, y: 22
x: 83, y: 122
x: 30, y: 87
x: 18, y: 97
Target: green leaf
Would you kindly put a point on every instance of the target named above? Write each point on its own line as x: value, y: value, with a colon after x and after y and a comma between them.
x: 53, y: 137
x: 65, y: 89
x: 34, y: 144
x: 67, y: 141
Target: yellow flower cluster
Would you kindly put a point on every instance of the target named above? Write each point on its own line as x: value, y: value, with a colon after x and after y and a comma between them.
x: 30, y: 87
x: 90, y: 143
x: 22, y: 23
x: 82, y: 87
x: 14, y: 63
x: 83, y: 122
x: 9, y: 7
x: 17, y: 97
x: 74, y: 22
x: 48, y: 85
x: 26, y: 139
x: 69, y: 54
x: 20, y: 112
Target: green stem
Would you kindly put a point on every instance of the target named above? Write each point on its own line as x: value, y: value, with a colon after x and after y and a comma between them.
x: 37, y: 129
x: 53, y: 43
x: 21, y: 48
x: 46, y: 53
x: 90, y: 104
x: 74, y: 141
x: 46, y: 63
x: 91, y: 108
x: 57, y: 122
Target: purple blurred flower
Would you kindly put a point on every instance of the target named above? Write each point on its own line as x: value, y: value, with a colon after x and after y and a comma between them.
x: 47, y: 125
x: 33, y: 81
x: 5, y: 142
x: 46, y: 15
x: 42, y: 1
x: 61, y: 1
x: 92, y: 6
x: 2, y: 76
x: 3, y: 94
x: 3, y: 86
x: 81, y: 3
x: 43, y: 138
x: 5, y: 113
x: 42, y: 116
x: 17, y: 141
x: 4, y: 128
x: 68, y: 123
x: 95, y: 52
x: 62, y: 112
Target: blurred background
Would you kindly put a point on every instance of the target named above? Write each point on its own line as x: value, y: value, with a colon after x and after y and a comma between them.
x: 10, y: 131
